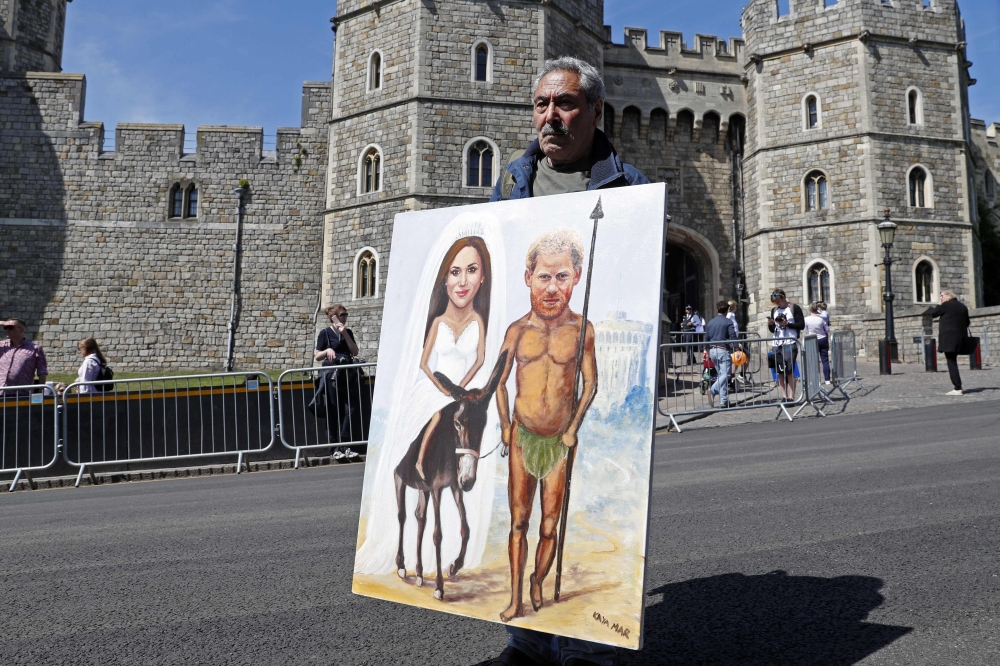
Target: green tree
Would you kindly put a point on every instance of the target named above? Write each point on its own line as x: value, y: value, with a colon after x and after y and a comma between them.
x: 989, y: 239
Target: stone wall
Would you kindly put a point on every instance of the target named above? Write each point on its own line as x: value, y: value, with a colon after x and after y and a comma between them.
x: 95, y: 252
x: 31, y: 35
x: 913, y: 322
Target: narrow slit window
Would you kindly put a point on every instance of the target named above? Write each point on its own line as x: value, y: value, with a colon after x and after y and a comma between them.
x: 176, y: 201
x: 192, y: 201
x: 925, y: 282
x: 918, y: 188
x: 812, y: 112
x: 375, y: 72
x: 367, y: 270
x: 914, y: 108
x: 371, y: 177
x: 482, y: 62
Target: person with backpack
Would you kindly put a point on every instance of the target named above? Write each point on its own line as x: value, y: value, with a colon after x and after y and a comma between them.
x: 93, y: 369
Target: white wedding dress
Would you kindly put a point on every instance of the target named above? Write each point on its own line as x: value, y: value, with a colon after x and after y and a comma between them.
x: 414, y: 400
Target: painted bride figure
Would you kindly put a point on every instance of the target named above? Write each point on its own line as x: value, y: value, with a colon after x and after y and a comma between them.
x: 455, y: 327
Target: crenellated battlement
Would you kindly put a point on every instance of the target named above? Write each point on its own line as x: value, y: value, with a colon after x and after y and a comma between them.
x: 59, y: 99
x: 673, y: 44
x: 771, y: 26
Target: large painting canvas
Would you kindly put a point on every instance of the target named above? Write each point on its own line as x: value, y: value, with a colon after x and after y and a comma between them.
x: 509, y: 456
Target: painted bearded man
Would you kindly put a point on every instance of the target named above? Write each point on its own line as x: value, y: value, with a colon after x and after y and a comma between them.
x: 543, y: 344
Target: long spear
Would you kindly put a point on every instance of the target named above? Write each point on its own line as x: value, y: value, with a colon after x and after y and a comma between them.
x: 597, y: 215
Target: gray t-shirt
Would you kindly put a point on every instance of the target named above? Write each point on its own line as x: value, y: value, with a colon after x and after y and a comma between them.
x: 561, y: 180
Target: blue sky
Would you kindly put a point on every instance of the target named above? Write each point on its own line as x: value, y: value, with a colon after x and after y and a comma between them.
x: 201, y: 62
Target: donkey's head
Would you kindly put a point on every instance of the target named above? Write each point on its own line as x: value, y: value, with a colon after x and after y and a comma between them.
x: 469, y: 421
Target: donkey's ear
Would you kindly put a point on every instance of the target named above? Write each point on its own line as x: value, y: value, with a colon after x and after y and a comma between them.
x: 456, y: 391
x: 491, y: 385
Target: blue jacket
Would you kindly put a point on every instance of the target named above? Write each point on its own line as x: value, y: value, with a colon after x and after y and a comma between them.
x: 608, y: 170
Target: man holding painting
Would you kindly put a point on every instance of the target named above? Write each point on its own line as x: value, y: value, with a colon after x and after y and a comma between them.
x: 570, y: 155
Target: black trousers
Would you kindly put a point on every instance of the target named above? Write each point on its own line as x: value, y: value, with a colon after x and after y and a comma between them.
x: 956, y: 379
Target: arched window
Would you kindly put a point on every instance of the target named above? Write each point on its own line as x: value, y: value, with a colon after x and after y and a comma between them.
x: 192, y: 201
x: 366, y: 275
x: 812, y: 112
x: 818, y: 280
x: 914, y: 107
x: 919, y: 189
x: 658, y: 125
x: 816, y: 192
x: 609, y: 120
x: 176, y: 201
x: 370, y: 176
x: 924, y: 278
x: 482, y: 61
x: 631, y: 117
x: 710, y: 127
x: 685, y: 126
x: 375, y: 71
x: 479, y: 159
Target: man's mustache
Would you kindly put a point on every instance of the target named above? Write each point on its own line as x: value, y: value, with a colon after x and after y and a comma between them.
x: 548, y: 129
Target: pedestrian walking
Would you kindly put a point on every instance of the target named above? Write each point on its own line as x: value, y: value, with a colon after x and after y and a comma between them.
x: 952, y: 332
x: 721, y: 336
x: 90, y: 368
x: 20, y: 359
x: 816, y: 325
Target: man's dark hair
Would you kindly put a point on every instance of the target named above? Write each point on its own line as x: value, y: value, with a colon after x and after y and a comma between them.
x: 722, y: 307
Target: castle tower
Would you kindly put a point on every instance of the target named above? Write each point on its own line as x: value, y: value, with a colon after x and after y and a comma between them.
x: 856, y: 106
x: 31, y: 35
x: 430, y: 99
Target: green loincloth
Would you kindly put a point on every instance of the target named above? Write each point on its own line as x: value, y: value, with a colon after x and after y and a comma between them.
x: 540, y: 454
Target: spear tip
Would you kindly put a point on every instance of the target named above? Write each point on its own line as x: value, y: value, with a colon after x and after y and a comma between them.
x: 598, y: 213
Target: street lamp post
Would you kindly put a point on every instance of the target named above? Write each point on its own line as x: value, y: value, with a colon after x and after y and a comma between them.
x: 887, y: 349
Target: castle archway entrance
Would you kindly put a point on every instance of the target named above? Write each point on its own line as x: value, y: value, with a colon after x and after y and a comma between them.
x: 690, y: 277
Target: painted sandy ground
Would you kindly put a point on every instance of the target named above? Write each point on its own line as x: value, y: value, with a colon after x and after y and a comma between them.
x: 601, y: 596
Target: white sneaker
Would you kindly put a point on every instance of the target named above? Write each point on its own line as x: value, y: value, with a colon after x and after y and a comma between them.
x: 955, y: 392
x: 827, y: 382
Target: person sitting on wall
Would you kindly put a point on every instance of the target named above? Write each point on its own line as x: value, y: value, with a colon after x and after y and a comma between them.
x: 20, y: 359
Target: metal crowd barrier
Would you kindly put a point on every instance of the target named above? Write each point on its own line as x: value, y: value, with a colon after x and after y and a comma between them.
x: 844, y: 361
x: 813, y: 394
x: 686, y: 378
x: 167, y: 418
x: 326, y: 407
x: 29, y: 441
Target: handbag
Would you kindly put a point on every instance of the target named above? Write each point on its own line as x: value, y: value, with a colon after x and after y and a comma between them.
x: 968, y: 345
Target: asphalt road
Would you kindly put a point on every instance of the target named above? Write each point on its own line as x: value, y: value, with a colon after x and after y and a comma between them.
x: 857, y: 539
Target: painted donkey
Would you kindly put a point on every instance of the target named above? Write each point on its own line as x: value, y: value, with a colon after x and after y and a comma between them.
x: 450, y: 461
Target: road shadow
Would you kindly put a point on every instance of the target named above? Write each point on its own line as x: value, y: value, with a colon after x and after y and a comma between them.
x: 767, y: 619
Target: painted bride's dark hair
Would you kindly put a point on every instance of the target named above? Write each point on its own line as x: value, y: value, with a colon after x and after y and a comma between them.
x: 439, y: 297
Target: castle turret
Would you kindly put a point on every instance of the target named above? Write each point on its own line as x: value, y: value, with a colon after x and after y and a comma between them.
x: 31, y: 35
x: 430, y: 100
x: 854, y: 107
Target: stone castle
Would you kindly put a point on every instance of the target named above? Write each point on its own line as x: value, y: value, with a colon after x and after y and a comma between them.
x: 781, y: 151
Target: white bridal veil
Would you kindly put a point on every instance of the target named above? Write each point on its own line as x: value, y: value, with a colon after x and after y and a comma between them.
x: 414, y: 400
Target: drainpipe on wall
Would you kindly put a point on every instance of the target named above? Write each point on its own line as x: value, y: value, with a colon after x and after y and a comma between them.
x: 235, y: 287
